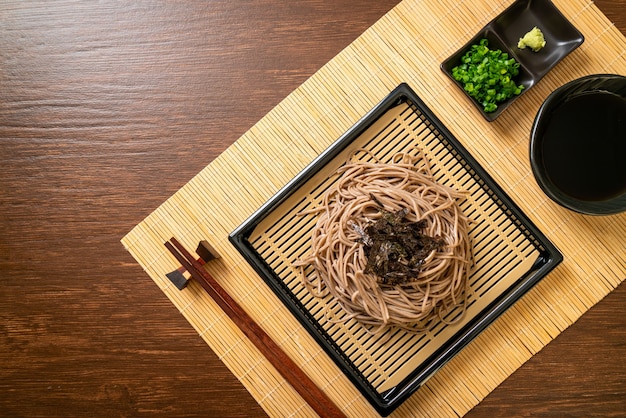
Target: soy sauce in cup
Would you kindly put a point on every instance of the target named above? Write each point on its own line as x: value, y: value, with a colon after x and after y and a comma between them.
x: 578, y: 145
x: 584, y: 146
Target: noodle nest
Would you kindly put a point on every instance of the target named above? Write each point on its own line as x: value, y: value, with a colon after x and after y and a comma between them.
x: 338, y: 258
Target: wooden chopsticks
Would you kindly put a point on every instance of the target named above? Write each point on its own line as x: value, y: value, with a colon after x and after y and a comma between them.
x: 317, y: 399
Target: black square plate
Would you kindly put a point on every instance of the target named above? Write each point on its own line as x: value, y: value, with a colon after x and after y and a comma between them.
x: 510, y: 254
x: 504, y: 32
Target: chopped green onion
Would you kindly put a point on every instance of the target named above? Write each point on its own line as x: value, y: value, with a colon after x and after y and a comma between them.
x: 487, y: 75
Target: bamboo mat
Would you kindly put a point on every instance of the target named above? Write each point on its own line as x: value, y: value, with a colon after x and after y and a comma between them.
x: 405, y: 45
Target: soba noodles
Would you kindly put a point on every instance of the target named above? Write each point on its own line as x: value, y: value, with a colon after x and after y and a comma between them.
x: 338, y: 254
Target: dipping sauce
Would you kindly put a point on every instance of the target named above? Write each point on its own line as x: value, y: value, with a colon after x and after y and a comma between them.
x: 584, y: 146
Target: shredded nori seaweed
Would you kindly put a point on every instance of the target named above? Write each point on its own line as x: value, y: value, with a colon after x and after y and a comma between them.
x: 396, y: 247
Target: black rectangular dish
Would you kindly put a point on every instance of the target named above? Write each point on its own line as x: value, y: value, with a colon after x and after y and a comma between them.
x: 510, y: 254
x: 504, y: 32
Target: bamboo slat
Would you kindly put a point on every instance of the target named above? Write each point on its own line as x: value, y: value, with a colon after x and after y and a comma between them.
x: 405, y: 45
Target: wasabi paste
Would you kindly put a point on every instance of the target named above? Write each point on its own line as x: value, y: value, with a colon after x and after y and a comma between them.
x: 533, y: 39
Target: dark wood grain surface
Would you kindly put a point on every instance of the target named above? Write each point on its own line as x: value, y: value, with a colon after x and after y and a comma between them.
x: 106, y: 109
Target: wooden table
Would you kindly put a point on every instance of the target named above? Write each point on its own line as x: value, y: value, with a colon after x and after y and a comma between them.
x: 106, y: 109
